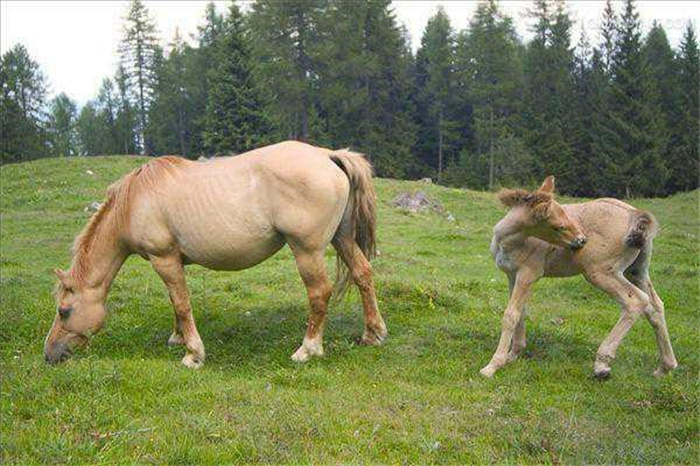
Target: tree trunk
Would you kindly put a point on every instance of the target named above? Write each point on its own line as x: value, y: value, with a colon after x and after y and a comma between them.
x: 439, y: 174
x: 491, y: 150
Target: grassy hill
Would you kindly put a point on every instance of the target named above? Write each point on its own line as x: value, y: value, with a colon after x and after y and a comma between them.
x: 417, y: 399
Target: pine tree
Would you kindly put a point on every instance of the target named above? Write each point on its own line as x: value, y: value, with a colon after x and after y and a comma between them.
x: 637, y: 165
x: 106, y: 111
x: 22, y: 107
x: 235, y: 119
x: 197, y: 63
x: 62, y: 120
x: 89, y: 131
x: 435, y: 94
x: 365, y: 84
x: 170, y: 120
x: 126, y: 116
x: 609, y: 32
x: 685, y: 161
x: 490, y: 66
x: 549, y: 94
x: 139, y: 53
x: 285, y: 38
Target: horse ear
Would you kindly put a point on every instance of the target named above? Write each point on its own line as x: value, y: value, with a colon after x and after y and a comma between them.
x: 63, y: 277
x: 547, y: 185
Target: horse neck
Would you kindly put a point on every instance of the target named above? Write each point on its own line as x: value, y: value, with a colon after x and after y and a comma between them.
x: 96, y: 265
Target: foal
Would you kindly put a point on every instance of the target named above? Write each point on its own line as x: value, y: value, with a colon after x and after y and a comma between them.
x: 542, y: 238
x: 228, y: 214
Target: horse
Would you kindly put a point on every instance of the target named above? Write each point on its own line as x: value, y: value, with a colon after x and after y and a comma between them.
x: 606, y: 240
x: 230, y: 213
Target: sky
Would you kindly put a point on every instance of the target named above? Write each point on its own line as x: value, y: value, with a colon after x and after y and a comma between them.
x: 75, y: 42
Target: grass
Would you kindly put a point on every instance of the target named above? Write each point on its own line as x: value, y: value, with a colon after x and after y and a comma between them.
x: 416, y: 400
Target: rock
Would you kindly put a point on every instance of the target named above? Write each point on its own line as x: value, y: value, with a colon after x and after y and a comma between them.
x: 426, y: 180
x: 203, y: 159
x: 416, y: 202
x: 450, y: 217
x: 93, y: 207
x: 90, y: 172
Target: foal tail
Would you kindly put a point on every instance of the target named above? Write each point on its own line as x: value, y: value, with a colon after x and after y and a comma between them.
x: 361, y: 212
x: 643, y: 227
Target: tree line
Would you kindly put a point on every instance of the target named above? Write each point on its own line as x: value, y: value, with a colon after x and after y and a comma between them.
x: 475, y: 108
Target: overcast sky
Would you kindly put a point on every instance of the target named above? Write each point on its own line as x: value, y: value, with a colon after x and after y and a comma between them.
x: 75, y: 42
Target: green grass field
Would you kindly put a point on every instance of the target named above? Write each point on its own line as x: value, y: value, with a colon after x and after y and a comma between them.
x: 418, y: 399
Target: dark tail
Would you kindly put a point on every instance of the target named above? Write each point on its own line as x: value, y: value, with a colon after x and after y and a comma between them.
x: 643, y: 227
x: 361, y: 209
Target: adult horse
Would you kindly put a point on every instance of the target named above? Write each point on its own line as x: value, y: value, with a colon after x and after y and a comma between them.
x: 227, y: 214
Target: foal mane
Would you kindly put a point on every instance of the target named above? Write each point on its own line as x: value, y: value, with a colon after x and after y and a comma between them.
x: 516, y: 197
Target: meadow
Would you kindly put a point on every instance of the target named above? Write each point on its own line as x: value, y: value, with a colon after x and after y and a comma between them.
x: 418, y: 399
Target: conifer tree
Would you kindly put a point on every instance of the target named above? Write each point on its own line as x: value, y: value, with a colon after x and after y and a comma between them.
x: 365, y: 84
x: 106, y: 111
x: 139, y: 54
x: 62, y: 120
x: 685, y: 160
x: 126, y: 116
x: 285, y: 37
x: 235, y: 118
x: 637, y: 165
x: 435, y: 99
x: 490, y: 66
x: 22, y: 107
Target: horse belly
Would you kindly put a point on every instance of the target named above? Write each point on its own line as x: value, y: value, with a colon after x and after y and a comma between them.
x: 230, y: 252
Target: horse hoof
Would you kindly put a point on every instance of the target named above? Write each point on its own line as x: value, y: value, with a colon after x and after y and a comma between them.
x: 176, y: 340
x: 602, y: 374
x: 487, y: 371
x: 663, y: 370
x: 306, y: 350
x: 192, y: 361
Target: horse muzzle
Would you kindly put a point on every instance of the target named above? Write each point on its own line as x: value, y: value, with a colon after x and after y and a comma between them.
x: 57, y: 352
x: 578, y: 242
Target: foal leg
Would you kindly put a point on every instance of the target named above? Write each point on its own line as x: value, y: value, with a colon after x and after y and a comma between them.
x: 519, y: 341
x: 633, y: 302
x: 172, y: 273
x: 312, y: 268
x: 657, y: 320
x: 361, y: 271
x: 511, y: 319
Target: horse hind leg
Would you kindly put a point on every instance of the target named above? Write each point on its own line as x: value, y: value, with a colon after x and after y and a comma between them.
x: 312, y: 268
x: 638, y: 274
x: 375, y: 331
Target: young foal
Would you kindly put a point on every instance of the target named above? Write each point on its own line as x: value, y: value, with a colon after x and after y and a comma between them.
x: 228, y: 214
x: 542, y: 238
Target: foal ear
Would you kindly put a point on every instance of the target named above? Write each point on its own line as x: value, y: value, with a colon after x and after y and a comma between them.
x: 63, y: 277
x: 547, y: 185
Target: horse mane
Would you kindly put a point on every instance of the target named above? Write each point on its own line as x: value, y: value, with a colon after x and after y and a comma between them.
x: 117, y: 200
x: 516, y: 197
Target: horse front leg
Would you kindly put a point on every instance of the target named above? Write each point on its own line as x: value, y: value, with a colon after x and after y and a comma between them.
x: 171, y: 271
x: 312, y: 268
x: 511, y: 320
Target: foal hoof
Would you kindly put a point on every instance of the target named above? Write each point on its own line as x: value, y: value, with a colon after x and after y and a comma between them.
x: 602, y: 374
x: 488, y: 371
x: 373, y: 337
x: 176, y: 339
x: 663, y: 370
x: 192, y: 361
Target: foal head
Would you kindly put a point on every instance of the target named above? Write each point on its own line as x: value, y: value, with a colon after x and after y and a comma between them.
x: 537, y: 214
x: 80, y: 313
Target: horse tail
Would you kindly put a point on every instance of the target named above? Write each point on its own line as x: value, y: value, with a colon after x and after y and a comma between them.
x: 643, y: 227
x: 361, y: 211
